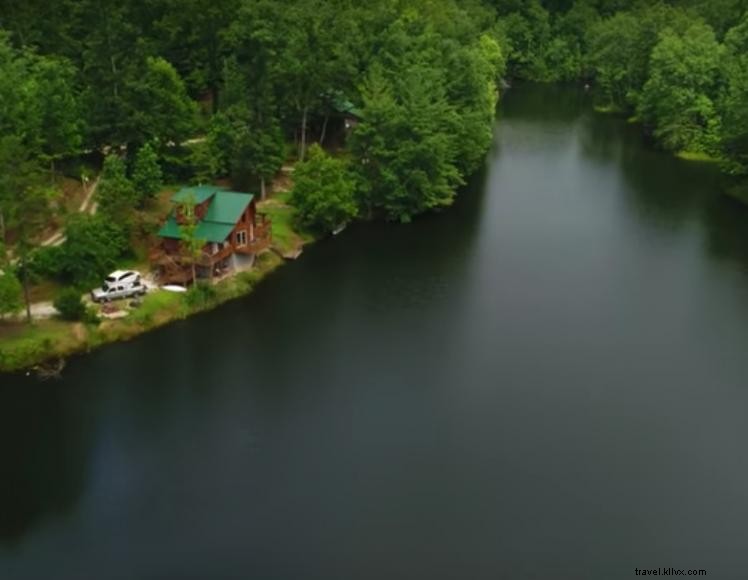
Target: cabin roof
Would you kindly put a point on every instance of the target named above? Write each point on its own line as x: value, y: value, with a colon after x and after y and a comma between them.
x: 224, y: 212
x: 208, y: 231
x: 345, y: 107
x: 227, y: 207
x: 198, y: 194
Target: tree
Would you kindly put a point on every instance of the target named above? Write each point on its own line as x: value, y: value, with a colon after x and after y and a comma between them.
x: 116, y: 194
x: 621, y: 46
x: 323, y: 192
x: 111, y: 52
x: 734, y: 107
x: 70, y: 305
x: 405, y: 145
x: 257, y: 149
x: 26, y: 208
x: 146, y: 174
x: 11, y: 294
x: 472, y: 89
x: 315, y: 58
x: 93, y: 247
x: 196, y: 46
x: 528, y: 30
x: 678, y: 99
x: 192, y: 245
x: 158, y: 105
x: 59, y: 111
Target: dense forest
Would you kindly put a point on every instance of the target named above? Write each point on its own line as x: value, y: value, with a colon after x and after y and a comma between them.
x: 148, y: 91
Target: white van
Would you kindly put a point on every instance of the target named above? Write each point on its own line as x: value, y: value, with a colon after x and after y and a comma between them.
x: 119, y: 284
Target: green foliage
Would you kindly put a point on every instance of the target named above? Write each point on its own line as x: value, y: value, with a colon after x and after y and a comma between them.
x: 528, y: 31
x: 200, y: 296
x: 147, y: 177
x: 621, y: 46
x: 117, y: 196
x: 70, y: 305
x: 161, y: 110
x: 191, y: 245
x: 678, y: 99
x: 40, y: 103
x: 324, y: 191
x: 405, y: 146
x: 92, y: 248
x: 11, y: 294
x: 735, y: 104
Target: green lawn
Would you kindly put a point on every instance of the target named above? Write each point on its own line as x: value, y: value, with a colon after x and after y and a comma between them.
x: 287, y: 237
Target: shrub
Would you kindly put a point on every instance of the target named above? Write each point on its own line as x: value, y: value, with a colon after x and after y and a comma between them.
x: 92, y: 249
x: 11, y: 299
x: 200, y: 295
x: 324, y: 191
x: 146, y: 174
x: 70, y: 305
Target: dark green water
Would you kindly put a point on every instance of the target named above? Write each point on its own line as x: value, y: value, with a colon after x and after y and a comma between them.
x: 549, y: 380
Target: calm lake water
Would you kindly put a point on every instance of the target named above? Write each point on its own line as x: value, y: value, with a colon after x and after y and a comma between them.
x: 548, y: 380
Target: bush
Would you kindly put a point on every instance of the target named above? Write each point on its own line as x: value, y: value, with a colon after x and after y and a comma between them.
x: 200, y: 295
x: 70, y: 305
x: 46, y: 262
x: 92, y: 249
x: 324, y: 192
x: 10, y: 294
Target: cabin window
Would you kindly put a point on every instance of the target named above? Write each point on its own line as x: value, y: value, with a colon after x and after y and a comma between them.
x: 241, y: 238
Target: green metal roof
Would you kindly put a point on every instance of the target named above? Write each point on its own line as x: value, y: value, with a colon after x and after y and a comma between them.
x: 198, y: 194
x: 227, y: 207
x: 170, y: 229
x: 345, y: 107
x: 208, y: 231
x: 213, y: 232
x: 224, y: 212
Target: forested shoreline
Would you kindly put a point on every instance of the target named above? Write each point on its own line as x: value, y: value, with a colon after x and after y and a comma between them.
x: 150, y: 92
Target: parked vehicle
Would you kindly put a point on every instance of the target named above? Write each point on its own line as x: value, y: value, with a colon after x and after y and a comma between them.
x: 118, y: 285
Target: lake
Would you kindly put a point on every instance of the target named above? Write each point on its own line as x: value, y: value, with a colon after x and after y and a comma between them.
x: 547, y: 380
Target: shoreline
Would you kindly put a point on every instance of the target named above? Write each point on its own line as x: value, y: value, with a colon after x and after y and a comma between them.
x: 45, y: 343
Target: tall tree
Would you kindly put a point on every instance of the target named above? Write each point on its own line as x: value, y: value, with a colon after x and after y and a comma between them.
x: 25, y: 207
x: 323, y: 192
x: 159, y: 107
x: 146, y: 173
x: 734, y: 107
x: 192, y: 245
x: 116, y: 195
x: 405, y: 148
x: 11, y: 294
x: 678, y: 99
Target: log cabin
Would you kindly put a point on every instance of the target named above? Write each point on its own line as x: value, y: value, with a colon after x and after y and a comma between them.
x: 228, y: 225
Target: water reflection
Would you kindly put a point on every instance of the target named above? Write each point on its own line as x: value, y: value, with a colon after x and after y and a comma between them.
x: 46, y: 435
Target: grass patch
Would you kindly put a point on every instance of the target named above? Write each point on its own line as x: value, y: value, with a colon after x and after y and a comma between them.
x: 608, y: 109
x: 697, y: 156
x: 34, y: 343
x: 287, y: 236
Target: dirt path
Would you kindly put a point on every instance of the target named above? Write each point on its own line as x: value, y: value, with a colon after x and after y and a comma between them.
x: 88, y: 206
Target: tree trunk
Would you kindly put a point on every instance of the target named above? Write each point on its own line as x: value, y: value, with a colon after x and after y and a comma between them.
x: 2, y: 229
x: 324, y: 129
x: 263, y: 189
x: 302, y: 149
x: 194, y: 273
